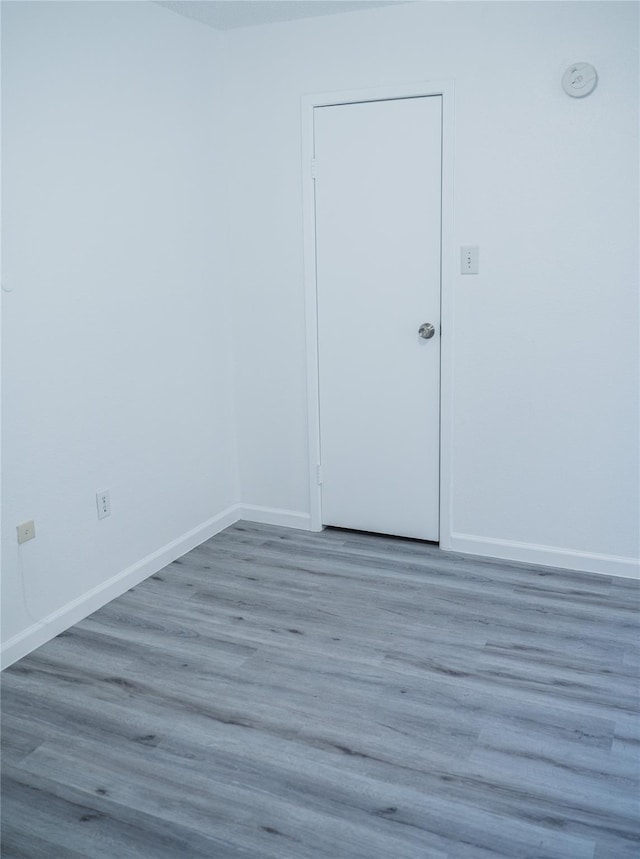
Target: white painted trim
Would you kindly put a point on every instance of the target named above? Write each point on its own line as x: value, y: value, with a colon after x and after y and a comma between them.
x: 76, y: 610
x: 379, y: 93
x: 311, y: 313
x: 73, y: 612
x: 448, y: 262
x: 308, y: 103
x: 274, y: 516
x: 546, y: 556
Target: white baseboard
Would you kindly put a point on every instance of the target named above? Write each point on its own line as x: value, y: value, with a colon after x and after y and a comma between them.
x: 275, y: 516
x: 546, y: 556
x: 73, y: 612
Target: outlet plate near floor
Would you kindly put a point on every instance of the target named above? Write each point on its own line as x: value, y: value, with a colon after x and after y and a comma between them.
x: 26, y: 531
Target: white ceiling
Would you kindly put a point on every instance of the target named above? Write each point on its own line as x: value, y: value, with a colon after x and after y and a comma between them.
x: 227, y: 14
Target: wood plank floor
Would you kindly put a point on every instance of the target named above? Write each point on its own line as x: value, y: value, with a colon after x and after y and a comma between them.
x: 279, y: 694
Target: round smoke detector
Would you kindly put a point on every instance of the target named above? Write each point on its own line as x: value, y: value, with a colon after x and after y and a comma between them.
x: 579, y: 80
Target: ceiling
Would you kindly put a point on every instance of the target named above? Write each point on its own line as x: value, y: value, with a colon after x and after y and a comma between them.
x: 228, y: 14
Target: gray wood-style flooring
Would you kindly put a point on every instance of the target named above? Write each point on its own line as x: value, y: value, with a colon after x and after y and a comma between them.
x: 279, y: 694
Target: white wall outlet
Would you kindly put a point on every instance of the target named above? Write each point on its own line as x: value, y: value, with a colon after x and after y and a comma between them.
x: 469, y: 259
x: 26, y: 531
x: 103, y: 500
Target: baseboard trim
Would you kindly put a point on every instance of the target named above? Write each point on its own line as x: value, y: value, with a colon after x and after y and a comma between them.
x: 275, y: 516
x: 73, y: 612
x: 546, y: 556
x: 43, y: 630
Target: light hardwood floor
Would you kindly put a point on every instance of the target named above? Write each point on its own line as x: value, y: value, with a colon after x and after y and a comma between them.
x: 278, y: 694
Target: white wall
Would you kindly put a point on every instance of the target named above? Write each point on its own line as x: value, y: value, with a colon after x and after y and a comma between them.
x: 140, y: 299
x: 116, y: 334
x: 544, y: 439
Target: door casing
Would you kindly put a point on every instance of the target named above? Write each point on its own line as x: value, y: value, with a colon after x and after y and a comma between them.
x: 309, y: 103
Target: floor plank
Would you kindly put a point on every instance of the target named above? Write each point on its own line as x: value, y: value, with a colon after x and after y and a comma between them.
x: 289, y: 695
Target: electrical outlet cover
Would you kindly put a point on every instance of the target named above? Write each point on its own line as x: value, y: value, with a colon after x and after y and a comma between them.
x: 26, y: 531
x: 103, y: 503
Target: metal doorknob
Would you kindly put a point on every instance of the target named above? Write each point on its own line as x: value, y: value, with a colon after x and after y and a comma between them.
x: 426, y: 331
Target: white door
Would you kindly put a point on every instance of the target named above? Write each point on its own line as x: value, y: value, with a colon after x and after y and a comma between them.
x: 378, y: 168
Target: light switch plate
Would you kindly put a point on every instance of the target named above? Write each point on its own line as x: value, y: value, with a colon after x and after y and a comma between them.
x: 469, y: 259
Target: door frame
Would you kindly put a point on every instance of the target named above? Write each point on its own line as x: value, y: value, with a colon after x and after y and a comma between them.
x: 386, y: 93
